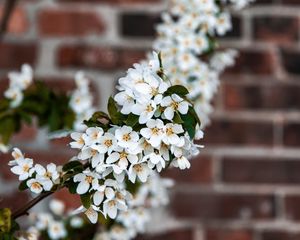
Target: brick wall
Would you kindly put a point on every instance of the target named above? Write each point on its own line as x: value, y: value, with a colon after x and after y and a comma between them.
x: 246, y: 183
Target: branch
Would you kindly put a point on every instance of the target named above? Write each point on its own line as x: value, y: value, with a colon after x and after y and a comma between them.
x: 7, y: 12
x: 24, y: 210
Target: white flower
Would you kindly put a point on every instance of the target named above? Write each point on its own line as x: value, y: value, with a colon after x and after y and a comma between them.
x: 144, y: 111
x: 86, y: 180
x: 172, y: 131
x: 79, y: 141
x: 22, y: 79
x: 126, y: 99
x: 37, y: 185
x: 127, y: 138
x: 92, y: 135
x: 112, y: 204
x: 43, y: 220
x: 76, y: 222
x: 91, y: 213
x: 50, y: 172
x: 182, y: 162
x: 174, y: 103
x: 57, y: 230
x: 154, y: 133
x: 24, y: 168
x: 106, y: 143
x: 57, y: 207
x: 14, y: 94
x: 140, y: 170
x: 155, y: 158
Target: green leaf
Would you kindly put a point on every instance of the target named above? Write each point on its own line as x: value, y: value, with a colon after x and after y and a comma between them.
x: 86, y: 200
x: 177, y: 118
x: 72, y: 165
x: 193, y: 112
x: 132, y: 120
x: 189, y: 124
x: 72, y: 186
x: 116, y: 117
x: 177, y: 89
x: 5, y: 220
x: 23, y: 185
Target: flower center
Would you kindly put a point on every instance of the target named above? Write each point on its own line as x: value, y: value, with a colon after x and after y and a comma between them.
x: 138, y: 168
x: 169, y: 131
x: 36, y: 185
x: 112, y: 203
x: 80, y: 140
x: 89, y: 179
x: 155, y: 131
x: 126, y: 137
x: 26, y: 168
x: 149, y: 108
x: 123, y: 155
x: 48, y: 174
x: 108, y: 143
x: 94, y: 152
x: 175, y: 105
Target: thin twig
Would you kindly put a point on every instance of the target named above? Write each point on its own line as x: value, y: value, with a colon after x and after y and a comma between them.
x: 7, y: 12
x: 24, y: 210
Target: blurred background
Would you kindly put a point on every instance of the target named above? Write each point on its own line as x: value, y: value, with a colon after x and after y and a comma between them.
x: 246, y: 183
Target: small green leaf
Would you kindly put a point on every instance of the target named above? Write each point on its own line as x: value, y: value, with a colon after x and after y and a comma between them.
x: 72, y: 165
x: 177, y: 89
x: 86, y: 200
x: 189, y: 124
x: 71, y: 186
x: 23, y: 185
x: 5, y: 220
x: 177, y: 118
x: 116, y: 117
x: 132, y: 120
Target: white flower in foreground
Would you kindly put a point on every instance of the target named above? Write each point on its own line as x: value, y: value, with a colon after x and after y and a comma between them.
x: 126, y: 137
x: 106, y: 143
x: 172, y: 131
x: 112, y: 204
x: 86, y: 180
x: 50, y: 172
x: 91, y: 213
x: 173, y: 104
x: 57, y: 230
x: 155, y: 159
x: 24, y: 168
x: 126, y: 99
x: 79, y: 141
x: 57, y: 207
x: 37, y: 185
x: 181, y: 162
x: 144, y: 111
x: 92, y: 135
x: 140, y: 170
x: 154, y: 133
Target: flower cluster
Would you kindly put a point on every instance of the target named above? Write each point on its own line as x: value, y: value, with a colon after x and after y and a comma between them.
x: 81, y: 101
x: 155, y: 128
x: 186, y: 39
x: 36, y: 177
x: 53, y: 224
x: 18, y: 82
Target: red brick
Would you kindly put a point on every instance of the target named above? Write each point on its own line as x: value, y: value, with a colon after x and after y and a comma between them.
x: 290, y: 2
x: 27, y: 133
x: 279, y: 235
x: 18, y: 21
x: 291, y: 133
x: 236, y: 132
x: 276, y: 29
x: 270, y: 96
x: 71, y: 201
x: 178, y: 234
x: 219, y: 206
x: 201, y: 171
x: 251, y: 61
x: 228, y: 234
x: 55, y: 22
x: 292, y: 207
x: 114, y: 1
x: 14, y: 200
x: 130, y: 56
x: 291, y: 60
x: 265, y: 171
x: 13, y: 55
x: 87, y: 57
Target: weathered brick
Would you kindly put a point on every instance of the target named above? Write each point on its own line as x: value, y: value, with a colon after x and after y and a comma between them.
x: 201, y: 171
x: 114, y: 1
x: 252, y: 171
x: 279, y: 235
x: 290, y: 2
x: 177, y: 234
x: 13, y: 55
x: 291, y: 133
x: 292, y: 207
x: 219, y: 206
x: 55, y: 22
x: 71, y: 201
x: 273, y: 96
x: 291, y: 60
x: 14, y: 200
x: 236, y: 30
x: 18, y: 23
x: 235, y: 132
x: 276, y: 29
x: 138, y: 24
x: 252, y: 61
x: 228, y: 234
